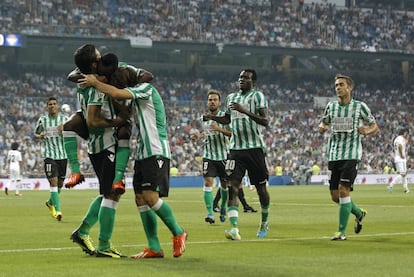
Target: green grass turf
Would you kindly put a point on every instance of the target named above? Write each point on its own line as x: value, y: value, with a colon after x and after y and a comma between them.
x: 302, y: 220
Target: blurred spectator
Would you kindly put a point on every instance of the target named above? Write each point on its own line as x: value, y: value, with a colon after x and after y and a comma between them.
x: 283, y: 23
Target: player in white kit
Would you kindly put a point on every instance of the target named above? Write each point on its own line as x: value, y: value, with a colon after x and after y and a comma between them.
x: 400, y: 160
x: 14, y: 158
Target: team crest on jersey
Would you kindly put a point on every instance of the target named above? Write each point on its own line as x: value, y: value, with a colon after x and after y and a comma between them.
x: 101, y: 95
x: 111, y: 157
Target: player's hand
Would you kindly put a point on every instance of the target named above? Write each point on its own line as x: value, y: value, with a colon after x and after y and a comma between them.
x: 74, y: 75
x: 322, y: 128
x: 207, y: 116
x: 88, y: 80
x: 237, y: 107
x: 214, y: 127
x: 362, y: 130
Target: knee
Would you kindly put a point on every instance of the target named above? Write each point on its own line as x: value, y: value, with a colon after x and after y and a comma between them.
x: 139, y: 200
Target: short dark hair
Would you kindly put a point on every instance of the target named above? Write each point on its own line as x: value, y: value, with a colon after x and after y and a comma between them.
x: 254, y: 74
x: 215, y: 92
x: 348, y: 79
x: 84, y: 57
x: 123, y: 77
x: 107, y: 65
x: 51, y: 98
x: 14, y: 146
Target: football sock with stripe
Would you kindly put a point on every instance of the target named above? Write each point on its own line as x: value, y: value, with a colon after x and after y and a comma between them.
x: 106, y: 222
x: 70, y: 141
x: 91, y: 216
x: 122, y: 156
x: 233, y: 214
x: 345, y: 207
x: 208, y: 199
x: 163, y: 210
x: 149, y: 222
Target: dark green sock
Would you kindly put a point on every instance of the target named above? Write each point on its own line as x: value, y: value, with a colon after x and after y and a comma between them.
x: 344, y: 212
x: 91, y: 216
x: 166, y: 215
x: 122, y: 157
x: 71, y: 146
x: 149, y: 221
x: 355, y: 210
x: 224, y: 198
x: 54, y: 196
x: 106, y: 227
x: 208, y: 199
x: 265, y: 212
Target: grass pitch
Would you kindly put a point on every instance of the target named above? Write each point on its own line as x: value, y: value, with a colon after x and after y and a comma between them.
x: 302, y: 220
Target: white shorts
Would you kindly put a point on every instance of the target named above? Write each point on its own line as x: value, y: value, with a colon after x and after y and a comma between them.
x: 15, y: 174
x: 401, y: 166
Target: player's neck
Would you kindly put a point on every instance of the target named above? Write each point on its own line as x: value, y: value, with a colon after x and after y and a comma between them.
x: 344, y: 100
x: 215, y: 112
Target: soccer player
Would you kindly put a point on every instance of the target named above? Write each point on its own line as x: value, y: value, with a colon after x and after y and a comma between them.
x: 400, y: 160
x: 215, y: 145
x: 48, y: 130
x: 14, y: 157
x: 246, y: 207
x: 246, y: 112
x: 347, y: 119
x: 77, y: 126
x: 152, y: 161
x: 99, y: 112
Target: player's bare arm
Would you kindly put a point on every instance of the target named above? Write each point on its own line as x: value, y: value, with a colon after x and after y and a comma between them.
x: 368, y: 130
x: 95, y: 119
x: 215, y: 127
x: 220, y: 119
x: 91, y: 80
x: 400, y: 149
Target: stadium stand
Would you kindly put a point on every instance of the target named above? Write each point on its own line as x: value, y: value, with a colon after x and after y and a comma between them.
x: 291, y: 138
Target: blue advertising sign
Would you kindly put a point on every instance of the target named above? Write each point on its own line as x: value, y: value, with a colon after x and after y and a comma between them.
x: 12, y: 40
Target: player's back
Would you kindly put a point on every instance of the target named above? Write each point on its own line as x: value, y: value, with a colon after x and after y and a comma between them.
x: 14, y: 157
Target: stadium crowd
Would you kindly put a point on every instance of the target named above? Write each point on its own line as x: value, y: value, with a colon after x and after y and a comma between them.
x: 291, y: 138
x: 281, y: 23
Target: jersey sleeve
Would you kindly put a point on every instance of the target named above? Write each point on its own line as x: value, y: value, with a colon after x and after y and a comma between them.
x: 141, y: 91
x: 326, y: 119
x: 261, y: 101
x: 366, y: 114
x: 39, y: 128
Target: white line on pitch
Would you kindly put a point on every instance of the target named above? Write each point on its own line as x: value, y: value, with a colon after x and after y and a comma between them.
x: 211, y: 242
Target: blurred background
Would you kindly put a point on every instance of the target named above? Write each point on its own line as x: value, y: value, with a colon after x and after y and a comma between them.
x: 296, y: 47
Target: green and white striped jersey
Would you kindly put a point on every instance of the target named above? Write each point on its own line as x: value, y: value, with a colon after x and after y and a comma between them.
x: 151, y: 122
x: 215, y: 143
x: 246, y: 133
x: 52, y: 146
x: 100, y: 139
x: 344, y: 120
